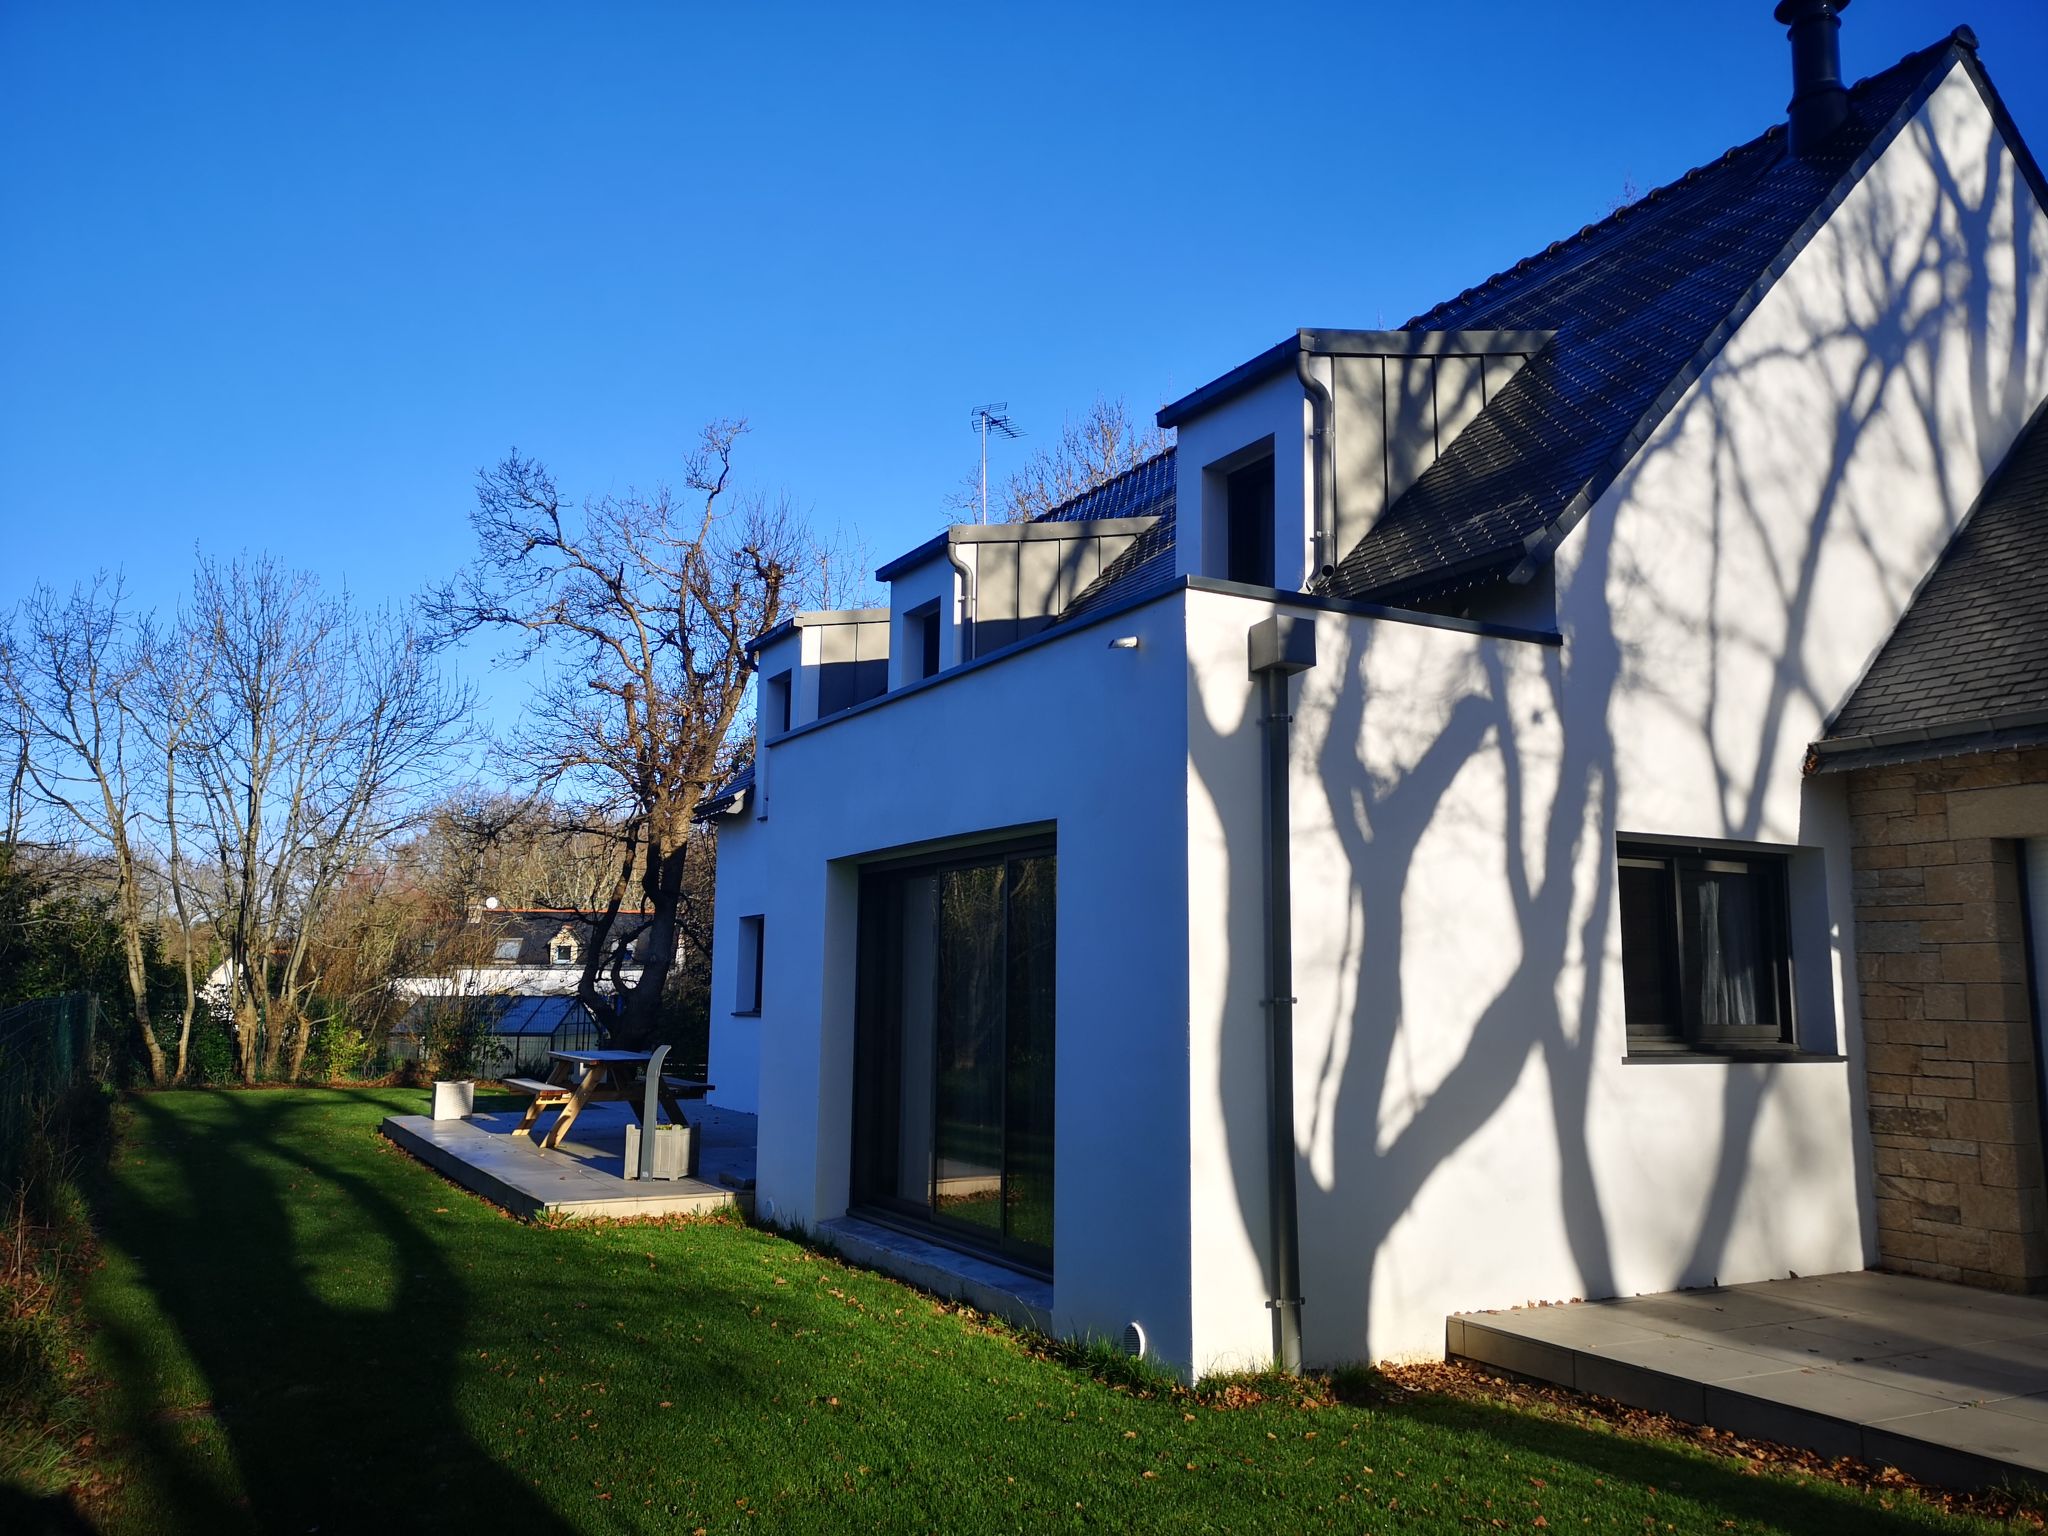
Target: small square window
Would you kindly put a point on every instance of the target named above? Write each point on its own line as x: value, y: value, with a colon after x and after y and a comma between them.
x: 1706, y: 949
x: 747, y: 995
x: 508, y: 949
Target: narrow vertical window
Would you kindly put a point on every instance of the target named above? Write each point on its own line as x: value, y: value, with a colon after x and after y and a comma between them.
x: 747, y: 997
x: 1248, y: 502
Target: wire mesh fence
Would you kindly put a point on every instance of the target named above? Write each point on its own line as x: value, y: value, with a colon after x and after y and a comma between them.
x: 46, y: 1049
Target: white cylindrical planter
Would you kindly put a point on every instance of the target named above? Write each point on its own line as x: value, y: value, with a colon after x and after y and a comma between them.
x: 454, y: 1101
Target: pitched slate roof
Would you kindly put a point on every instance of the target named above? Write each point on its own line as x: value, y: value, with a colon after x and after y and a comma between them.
x: 1967, y: 667
x: 1140, y: 491
x: 1639, y: 302
x: 1144, y: 490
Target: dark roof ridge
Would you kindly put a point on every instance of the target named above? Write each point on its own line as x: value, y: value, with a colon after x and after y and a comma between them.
x: 1962, y: 38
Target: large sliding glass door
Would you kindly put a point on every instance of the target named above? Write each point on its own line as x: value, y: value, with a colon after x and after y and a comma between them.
x: 953, y: 1086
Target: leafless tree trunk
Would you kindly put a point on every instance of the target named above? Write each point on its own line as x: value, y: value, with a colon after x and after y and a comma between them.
x: 180, y: 672
x: 74, y: 673
x: 321, y: 730
x: 642, y: 606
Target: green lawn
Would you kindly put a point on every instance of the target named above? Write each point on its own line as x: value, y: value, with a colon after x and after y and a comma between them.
x: 306, y: 1329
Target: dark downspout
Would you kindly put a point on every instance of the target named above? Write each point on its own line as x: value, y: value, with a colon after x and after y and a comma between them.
x: 1321, y: 408
x: 1281, y: 646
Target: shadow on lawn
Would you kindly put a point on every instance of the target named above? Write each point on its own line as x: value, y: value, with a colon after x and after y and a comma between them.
x: 337, y: 1418
x: 1724, y: 1490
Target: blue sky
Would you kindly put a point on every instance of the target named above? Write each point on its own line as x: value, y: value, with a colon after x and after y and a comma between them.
x: 283, y: 277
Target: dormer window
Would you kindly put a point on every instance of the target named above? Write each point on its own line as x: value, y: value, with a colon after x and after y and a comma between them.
x: 564, y: 949
x: 1249, y: 531
x: 924, y: 634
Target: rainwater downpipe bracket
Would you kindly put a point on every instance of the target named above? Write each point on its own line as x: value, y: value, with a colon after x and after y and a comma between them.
x: 1280, y: 646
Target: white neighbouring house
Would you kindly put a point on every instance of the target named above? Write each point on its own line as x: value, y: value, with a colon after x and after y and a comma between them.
x: 1586, y: 560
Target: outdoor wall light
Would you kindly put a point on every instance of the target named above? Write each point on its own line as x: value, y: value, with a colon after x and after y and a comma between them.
x: 1124, y: 643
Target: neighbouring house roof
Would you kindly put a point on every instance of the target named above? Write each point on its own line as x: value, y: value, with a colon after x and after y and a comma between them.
x: 533, y: 930
x: 1640, y: 302
x: 1966, y: 670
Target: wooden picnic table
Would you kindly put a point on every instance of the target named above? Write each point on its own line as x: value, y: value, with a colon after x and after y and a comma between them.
x: 608, y: 1077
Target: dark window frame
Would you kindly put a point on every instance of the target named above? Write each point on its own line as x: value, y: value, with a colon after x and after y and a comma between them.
x: 1251, y: 522
x: 781, y: 691
x: 878, y: 1050
x: 753, y: 936
x: 1662, y: 1002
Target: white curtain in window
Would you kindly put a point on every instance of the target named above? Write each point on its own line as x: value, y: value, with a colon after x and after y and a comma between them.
x: 1724, y: 939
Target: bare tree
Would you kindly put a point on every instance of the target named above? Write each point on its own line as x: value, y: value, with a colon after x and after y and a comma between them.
x: 74, y: 673
x: 1101, y: 444
x: 640, y: 608
x: 178, y: 671
x: 322, y: 731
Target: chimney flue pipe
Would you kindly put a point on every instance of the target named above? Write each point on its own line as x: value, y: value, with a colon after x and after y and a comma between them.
x: 1820, y: 102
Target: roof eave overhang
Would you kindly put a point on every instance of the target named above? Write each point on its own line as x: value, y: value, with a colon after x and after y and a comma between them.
x: 1954, y: 738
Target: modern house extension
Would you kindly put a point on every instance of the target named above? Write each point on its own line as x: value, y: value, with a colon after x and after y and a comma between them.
x: 1530, y: 805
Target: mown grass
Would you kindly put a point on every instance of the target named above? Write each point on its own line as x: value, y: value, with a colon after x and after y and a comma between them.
x: 305, y: 1329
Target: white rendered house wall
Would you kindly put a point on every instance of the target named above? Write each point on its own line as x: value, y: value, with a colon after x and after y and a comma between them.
x: 1470, y: 1131
x: 1069, y: 734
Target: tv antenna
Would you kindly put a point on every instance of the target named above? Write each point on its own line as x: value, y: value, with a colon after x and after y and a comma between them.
x: 984, y: 420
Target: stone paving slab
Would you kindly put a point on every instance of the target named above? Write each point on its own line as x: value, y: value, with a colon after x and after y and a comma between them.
x: 1945, y: 1382
x: 585, y: 1177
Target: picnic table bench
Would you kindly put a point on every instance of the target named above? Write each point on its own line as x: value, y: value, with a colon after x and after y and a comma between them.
x: 607, y: 1077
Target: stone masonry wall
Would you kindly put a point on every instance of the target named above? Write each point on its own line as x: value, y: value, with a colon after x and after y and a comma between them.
x: 1941, y: 955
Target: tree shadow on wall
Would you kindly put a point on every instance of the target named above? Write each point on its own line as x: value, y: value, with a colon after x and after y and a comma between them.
x: 1374, y: 1129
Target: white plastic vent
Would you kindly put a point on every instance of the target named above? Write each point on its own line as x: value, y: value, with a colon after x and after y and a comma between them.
x: 1134, y: 1342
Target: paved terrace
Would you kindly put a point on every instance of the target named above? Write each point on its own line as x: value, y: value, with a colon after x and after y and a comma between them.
x: 1944, y: 1382
x: 585, y: 1176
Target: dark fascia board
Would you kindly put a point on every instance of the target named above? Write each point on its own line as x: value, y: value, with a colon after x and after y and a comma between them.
x: 1321, y: 343
x: 930, y: 549
x: 1138, y: 600
x: 1962, y: 741
x: 815, y: 619
x: 1541, y: 545
x: 1275, y: 359
x: 1948, y: 730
